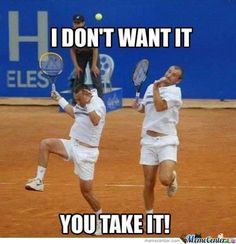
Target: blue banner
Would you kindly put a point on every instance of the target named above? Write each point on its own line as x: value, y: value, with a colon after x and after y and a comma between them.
x: 209, y: 62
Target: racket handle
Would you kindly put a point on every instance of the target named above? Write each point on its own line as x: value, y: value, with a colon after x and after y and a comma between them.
x: 137, y: 96
x: 53, y: 87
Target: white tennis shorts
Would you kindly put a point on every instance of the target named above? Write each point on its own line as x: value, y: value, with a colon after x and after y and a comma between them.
x: 84, y: 158
x: 154, y: 150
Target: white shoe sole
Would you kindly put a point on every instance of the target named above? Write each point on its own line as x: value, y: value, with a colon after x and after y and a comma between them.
x: 29, y: 188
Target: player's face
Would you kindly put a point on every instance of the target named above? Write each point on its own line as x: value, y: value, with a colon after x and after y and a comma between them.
x: 79, y: 98
x: 173, y: 75
x: 82, y: 97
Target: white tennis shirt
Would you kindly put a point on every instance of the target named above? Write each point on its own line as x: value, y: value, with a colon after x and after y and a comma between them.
x: 164, y: 121
x: 83, y: 129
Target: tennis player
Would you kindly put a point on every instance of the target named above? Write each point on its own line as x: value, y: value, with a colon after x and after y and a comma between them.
x: 159, y: 140
x: 82, y: 147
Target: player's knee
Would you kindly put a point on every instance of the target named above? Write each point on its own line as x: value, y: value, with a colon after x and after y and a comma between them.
x: 165, y: 179
x: 45, y: 143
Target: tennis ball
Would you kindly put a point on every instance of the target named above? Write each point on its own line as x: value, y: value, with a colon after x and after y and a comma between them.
x: 98, y: 16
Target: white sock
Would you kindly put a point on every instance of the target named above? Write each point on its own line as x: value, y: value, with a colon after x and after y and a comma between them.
x: 40, y: 172
x: 150, y: 211
x: 98, y: 213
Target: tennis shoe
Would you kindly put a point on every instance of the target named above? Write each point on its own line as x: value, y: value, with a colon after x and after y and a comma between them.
x: 34, y: 184
x: 173, y: 187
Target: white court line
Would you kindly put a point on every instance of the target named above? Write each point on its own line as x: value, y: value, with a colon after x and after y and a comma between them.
x: 187, y: 187
x: 130, y: 185
x: 14, y: 183
x: 7, y: 183
x: 124, y: 185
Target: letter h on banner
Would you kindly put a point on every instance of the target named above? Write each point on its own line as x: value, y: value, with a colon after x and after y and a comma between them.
x: 15, y: 38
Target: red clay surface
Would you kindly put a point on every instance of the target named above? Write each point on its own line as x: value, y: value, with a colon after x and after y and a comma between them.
x: 205, y: 202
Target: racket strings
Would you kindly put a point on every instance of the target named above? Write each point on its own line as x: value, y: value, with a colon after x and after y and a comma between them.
x: 51, y: 64
x: 140, y: 72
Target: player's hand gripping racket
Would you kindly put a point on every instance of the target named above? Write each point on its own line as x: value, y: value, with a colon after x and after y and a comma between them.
x: 51, y: 65
x: 139, y: 76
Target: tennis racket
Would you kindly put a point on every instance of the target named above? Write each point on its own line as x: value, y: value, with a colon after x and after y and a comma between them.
x: 140, y: 75
x: 51, y: 64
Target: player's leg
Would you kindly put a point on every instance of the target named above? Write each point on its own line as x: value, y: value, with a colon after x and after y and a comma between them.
x: 149, y: 185
x: 84, y: 162
x: 86, y: 188
x: 166, y: 170
x: 46, y: 147
x: 149, y: 162
x: 85, y: 171
x: 168, y: 177
x: 168, y: 157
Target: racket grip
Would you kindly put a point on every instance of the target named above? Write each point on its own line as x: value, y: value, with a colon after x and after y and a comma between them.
x: 53, y: 87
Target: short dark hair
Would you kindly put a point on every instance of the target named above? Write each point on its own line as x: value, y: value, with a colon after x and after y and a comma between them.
x: 181, y: 69
x: 80, y: 87
x: 78, y: 18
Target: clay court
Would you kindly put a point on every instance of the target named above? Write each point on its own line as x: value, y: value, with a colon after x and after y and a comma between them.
x: 205, y: 202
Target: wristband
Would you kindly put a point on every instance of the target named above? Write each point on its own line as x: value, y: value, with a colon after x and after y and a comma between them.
x: 62, y: 102
x: 90, y: 108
